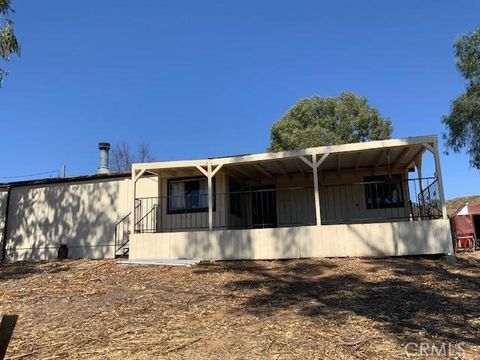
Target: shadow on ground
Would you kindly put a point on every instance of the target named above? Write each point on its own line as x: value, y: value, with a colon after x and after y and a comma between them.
x: 19, y: 270
x: 420, y: 296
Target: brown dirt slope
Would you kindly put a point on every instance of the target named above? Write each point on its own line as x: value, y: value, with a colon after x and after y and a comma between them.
x: 298, y: 309
x: 454, y: 204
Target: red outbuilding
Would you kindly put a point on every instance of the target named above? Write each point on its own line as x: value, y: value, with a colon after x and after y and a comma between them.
x: 465, y: 224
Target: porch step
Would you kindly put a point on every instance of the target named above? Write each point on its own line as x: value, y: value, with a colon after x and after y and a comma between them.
x: 123, y: 254
x: 165, y: 262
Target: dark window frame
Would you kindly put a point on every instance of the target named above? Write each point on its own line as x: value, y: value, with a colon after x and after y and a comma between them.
x: 191, y: 210
x: 373, y: 185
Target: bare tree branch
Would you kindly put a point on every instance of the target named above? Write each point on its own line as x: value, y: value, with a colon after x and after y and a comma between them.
x: 144, y: 154
x: 122, y: 157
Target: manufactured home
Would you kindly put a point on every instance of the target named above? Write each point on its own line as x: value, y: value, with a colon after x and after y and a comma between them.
x: 363, y: 199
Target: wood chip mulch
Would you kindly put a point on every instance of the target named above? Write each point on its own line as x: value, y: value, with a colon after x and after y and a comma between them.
x: 296, y: 309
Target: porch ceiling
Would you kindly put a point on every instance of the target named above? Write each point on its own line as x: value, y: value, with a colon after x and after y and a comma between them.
x: 399, y: 153
x: 397, y: 157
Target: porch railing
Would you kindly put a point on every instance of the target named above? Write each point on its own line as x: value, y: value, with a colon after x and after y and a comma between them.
x: 381, y: 201
x: 363, y: 202
x: 262, y: 208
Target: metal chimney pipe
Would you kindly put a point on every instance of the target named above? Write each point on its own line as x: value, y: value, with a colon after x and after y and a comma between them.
x: 104, y: 147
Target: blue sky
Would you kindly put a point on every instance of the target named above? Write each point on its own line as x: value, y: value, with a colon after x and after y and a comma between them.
x: 204, y: 78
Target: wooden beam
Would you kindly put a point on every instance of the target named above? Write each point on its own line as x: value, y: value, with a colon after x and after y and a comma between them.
x: 202, y: 170
x: 318, y: 218
x: 216, y: 169
x: 242, y: 171
x: 299, y: 167
x: 357, y: 163
x: 306, y: 161
x: 430, y: 148
x: 282, y: 167
x: 314, y: 163
x: 362, y: 168
x: 137, y: 176
x: 418, y: 164
x: 417, y: 154
x: 438, y: 171
x: 380, y: 158
x: 181, y: 173
x: 264, y: 171
x: 322, y: 159
x: 405, y: 152
x: 235, y: 174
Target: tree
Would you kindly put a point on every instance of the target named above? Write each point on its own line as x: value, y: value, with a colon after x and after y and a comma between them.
x: 123, y: 157
x: 8, y: 41
x: 318, y: 121
x: 463, y: 122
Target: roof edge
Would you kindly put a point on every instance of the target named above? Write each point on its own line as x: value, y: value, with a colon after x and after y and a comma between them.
x: 352, y: 147
x: 80, y: 178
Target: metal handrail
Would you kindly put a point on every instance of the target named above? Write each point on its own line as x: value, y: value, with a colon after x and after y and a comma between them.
x: 155, y: 206
x: 119, y: 246
x: 124, y: 221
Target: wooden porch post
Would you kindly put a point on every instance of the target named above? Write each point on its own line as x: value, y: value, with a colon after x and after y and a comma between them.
x: 135, y: 177
x: 210, y: 197
x: 315, y: 188
x: 418, y: 164
x: 438, y: 170
x: 315, y: 164
x: 209, y: 173
x: 132, y: 203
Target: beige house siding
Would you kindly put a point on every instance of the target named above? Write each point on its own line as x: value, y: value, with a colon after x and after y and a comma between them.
x: 170, y: 222
x: 81, y: 215
x: 342, y: 198
x: 376, y: 239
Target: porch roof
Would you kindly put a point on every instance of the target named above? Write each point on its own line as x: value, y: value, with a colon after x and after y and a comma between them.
x: 394, y: 153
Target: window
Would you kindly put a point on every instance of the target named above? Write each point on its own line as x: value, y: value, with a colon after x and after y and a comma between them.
x: 383, y: 192
x: 188, y: 195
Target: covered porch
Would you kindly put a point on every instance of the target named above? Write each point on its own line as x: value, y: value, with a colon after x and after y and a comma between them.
x: 377, y: 182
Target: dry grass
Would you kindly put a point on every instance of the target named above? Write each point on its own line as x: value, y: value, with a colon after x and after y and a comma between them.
x: 304, y: 309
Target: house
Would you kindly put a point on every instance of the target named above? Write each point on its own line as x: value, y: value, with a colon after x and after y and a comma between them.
x: 465, y: 223
x: 342, y: 200
x: 363, y: 199
x: 38, y: 216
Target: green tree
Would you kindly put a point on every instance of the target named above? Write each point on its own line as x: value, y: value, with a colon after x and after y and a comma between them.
x: 8, y: 41
x: 318, y: 121
x: 463, y: 122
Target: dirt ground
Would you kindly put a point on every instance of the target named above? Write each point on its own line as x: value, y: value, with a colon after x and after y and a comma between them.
x: 298, y: 309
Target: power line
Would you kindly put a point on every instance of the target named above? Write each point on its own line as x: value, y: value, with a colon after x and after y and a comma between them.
x: 29, y: 175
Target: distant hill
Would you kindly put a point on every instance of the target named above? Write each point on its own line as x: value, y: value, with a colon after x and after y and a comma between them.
x: 454, y: 204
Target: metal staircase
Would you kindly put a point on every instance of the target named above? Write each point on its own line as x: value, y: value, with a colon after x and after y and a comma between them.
x: 429, y: 202
x: 145, y: 223
x: 122, y: 237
